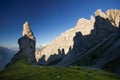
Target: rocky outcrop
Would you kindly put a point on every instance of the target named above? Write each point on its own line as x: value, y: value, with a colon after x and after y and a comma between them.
x: 27, y: 43
x: 26, y: 46
x: 114, y: 16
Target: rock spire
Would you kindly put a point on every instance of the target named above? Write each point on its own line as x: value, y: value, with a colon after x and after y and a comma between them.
x: 27, y: 31
x: 26, y: 45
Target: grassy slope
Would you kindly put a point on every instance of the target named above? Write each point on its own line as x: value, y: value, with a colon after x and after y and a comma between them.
x: 22, y: 70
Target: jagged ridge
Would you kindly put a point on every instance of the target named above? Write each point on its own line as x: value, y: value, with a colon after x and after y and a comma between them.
x: 103, y: 25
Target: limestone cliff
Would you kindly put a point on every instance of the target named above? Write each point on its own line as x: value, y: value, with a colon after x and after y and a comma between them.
x: 94, y: 31
x: 99, y: 49
x: 65, y: 40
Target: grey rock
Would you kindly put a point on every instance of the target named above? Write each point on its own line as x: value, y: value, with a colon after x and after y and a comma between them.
x: 27, y: 43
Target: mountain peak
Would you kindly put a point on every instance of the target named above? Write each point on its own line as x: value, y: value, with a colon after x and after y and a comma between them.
x: 113, y: 15
x: 100, y: 13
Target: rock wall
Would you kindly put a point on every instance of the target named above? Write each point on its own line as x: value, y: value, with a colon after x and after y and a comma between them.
x: 65, y: 40
x: 100, y: 27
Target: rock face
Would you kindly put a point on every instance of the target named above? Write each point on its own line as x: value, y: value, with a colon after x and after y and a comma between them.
x: 99, y: 49
x: 76, y: 41
x: 65, y: 40
x: 26, y: 45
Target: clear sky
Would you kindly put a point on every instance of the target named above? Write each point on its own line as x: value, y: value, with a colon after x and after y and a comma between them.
x: 47, y: 18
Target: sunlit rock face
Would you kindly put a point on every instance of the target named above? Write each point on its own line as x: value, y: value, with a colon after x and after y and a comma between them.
x: 99, y: 26
x: 65, y: 40
x: 27, y: 31
x: 113, y: 15
x: 98, y: 47
x: 85, y: 26
x: 100, y: 13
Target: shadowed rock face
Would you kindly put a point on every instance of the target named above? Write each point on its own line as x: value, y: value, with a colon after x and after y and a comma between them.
x: 27, y: 48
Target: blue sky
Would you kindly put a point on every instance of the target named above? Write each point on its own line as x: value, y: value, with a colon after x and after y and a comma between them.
x: 47, y: 18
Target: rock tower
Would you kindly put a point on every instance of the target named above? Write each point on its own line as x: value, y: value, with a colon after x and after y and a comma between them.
x: 27, y: 43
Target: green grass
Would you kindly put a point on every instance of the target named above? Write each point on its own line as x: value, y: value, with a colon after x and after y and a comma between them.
x: 22, y: 70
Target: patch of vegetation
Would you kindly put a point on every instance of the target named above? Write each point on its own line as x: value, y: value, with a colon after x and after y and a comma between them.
x: 22, y: 70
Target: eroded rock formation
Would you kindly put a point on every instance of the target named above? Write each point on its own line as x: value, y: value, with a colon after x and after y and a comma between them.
x: 27, y: 43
